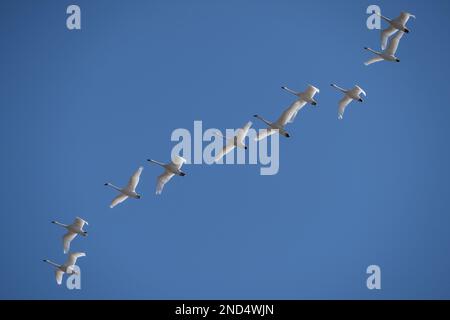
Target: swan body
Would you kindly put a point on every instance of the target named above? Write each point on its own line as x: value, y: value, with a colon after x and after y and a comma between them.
x: 389, y: 53
x: 67, y: 267
x: 236, y: 141
x: 72, y: 231
x: 289, y: 114
x: 171, y: 169
x: 129, y: 191
x: 349, y: 96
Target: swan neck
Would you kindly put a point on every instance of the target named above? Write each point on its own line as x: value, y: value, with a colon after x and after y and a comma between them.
x: 157, y: 162
x: 60, y: 224
x: 52, y: 263
x: 264, y: 120
x: 114, y: 187
x: 376, y: 52
x: 339, y: 88
x: 290, y: 91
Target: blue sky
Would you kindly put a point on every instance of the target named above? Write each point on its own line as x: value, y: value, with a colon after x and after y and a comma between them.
x: 79, y: 108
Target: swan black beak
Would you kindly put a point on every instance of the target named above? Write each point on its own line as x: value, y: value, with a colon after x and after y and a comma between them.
x: 314, y: 103
x: 398, y: 60
x: 182, y: 174
x: 287, y: 135
x: 360, y: 100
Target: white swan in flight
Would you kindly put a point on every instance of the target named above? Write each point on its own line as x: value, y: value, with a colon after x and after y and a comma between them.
x: 349, y: 95
x: 171, y: 169
x: 67, y: 267
x: 236, y: 141
x: 72, y: 230
x: 389, y: 53
x: 128, y: 191
x: 398, y: 23
x: 289, y: 114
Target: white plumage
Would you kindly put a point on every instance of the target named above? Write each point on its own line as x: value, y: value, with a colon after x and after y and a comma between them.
x: 128, y: 191
x: 170, y: 169
x: 67, y: 267
x: 349, y: 95
x: 72, y: 230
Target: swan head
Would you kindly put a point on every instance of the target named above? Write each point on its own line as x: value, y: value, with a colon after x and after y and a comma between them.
x: 138, y: 196
x: 287, y: 135
x: 182, y: 174
x: 397, y: 60
x: 406, y: 30
x: 314, y: 103
x: 360, y: 100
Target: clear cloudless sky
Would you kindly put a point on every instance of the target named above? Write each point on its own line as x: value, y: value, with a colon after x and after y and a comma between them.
x: 79, y: 108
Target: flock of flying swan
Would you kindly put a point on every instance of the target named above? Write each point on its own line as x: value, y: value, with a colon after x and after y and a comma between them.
x: 397, y: 26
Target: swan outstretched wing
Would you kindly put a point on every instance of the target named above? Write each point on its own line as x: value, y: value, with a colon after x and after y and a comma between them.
x: 393, y: 44
x: 373, y: 60
x: 79, y: 223
x: 404, y: 17
x: 290, y: 113
x: 162, y: 180
x: 264, y: 133
x: 178, y: 161
x: 342, y: 105
x: 226, y: 149
x: 242, y: 133
x: 68, y: 237
x: 59, y: 276
x: 72, y: 259
x: 385, y: 34
x: 134, y: 180
x: 357, y: 90
x: 119, y: 199
x: 311, y: 91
